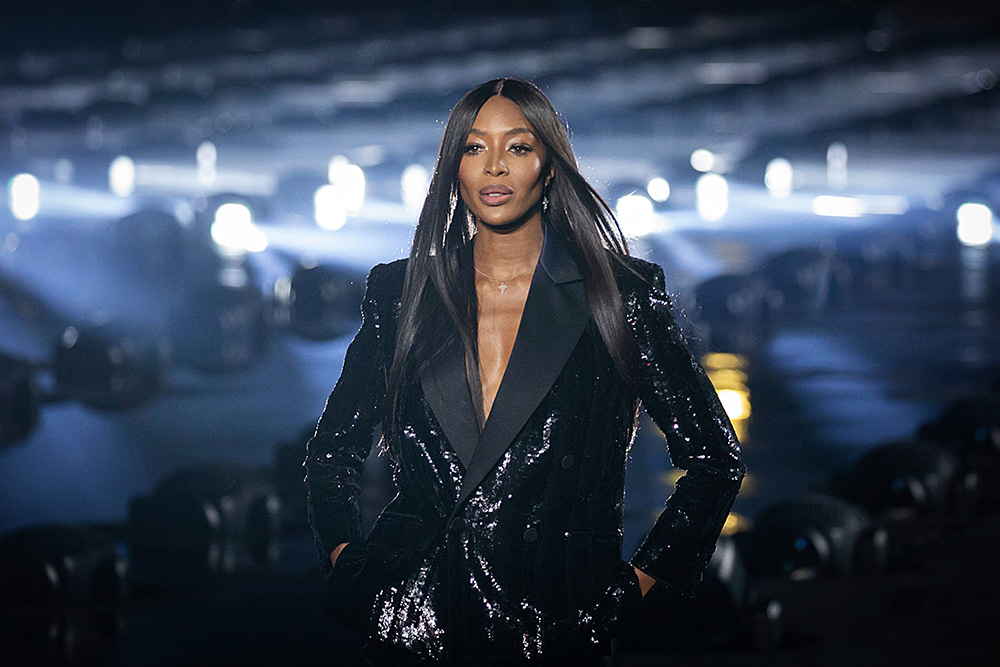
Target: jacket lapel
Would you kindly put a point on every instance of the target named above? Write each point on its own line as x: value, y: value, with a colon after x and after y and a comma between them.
x: 554, y: 317
x: 446, y: 388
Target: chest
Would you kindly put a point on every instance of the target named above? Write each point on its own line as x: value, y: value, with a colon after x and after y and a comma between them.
x: 500, y: 315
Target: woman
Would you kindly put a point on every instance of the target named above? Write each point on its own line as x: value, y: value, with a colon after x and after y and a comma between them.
x: 506, y: 359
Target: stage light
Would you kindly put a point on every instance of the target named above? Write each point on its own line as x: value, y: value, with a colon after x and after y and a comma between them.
x: 234, y: 232
x: 726, y: 373
x: 24, y: 195
x: 414, y: 184
x: 975, y: 224
x: 836, y: 166
x: 658, y: 189
x: 736, y: 403
x: 121, y: 176
x: 712, y: 195
x: 63, y: 171
x: 330, y: 211
x: 635, y: 213
x: 206, y: 158
x: 778, y: 178
x: 838, y: 207
x: 349, y: 179
x: 703, y: 160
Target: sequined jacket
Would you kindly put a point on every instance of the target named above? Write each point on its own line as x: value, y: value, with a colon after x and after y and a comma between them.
x: 505, y: 544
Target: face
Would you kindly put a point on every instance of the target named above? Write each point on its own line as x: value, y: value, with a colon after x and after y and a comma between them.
x: 501, y: 175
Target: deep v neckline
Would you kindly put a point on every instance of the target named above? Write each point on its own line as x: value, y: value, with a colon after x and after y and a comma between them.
x: 476, y: 389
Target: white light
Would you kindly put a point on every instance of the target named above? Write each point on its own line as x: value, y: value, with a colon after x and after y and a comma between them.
x: 121, y: 176
x: 886, y: 204
x: 712, y: 197
x: 63, y: 170
x: 414, y: 185
x: 329, y: 210
x: 24, y: 195
x: 635, y: 213
x: 975, y: 224
x: 838, y: 207
x: 836, y: 166
x: 206, y: 157
x: 658, y: 189
x: 350, y: 179
x: 703, y: 160
x: 778, y: 178
x: 233, y: 230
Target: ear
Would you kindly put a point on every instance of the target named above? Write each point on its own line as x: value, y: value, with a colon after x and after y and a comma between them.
x: 548, y: 179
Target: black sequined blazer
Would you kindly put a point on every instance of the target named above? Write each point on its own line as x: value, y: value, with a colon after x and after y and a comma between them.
x: 505, y: 544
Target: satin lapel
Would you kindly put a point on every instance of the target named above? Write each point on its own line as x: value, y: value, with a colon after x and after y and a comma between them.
x: 555, y: 315
x: 446, y: 388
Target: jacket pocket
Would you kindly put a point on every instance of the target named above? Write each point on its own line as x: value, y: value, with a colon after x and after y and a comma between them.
x: 593, y: 561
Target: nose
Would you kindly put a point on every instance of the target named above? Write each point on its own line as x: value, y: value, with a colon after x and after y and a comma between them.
x: 495, y: 165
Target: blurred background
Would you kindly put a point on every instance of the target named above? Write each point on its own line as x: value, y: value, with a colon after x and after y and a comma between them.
x: 194, y: 194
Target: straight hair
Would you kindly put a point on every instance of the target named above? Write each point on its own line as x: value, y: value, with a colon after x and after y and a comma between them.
x: 439, y: 295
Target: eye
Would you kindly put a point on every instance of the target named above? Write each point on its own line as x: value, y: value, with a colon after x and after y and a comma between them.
x: 472, y: 149
x: 521, y: 149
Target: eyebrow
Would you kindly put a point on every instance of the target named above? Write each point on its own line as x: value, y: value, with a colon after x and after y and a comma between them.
x: 516, y: 130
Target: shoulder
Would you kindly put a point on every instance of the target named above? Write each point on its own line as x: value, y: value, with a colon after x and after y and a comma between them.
x: 636, y: 275
x: 386, y: 280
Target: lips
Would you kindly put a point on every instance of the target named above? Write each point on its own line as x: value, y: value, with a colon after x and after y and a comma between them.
x: 495, y: 195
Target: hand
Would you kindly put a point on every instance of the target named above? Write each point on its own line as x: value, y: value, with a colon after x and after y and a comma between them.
x: 645, y: 581
x: 336, y: 552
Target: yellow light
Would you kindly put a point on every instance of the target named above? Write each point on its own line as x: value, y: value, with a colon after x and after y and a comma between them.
x: 670, y: 477
x: 736, y: 403
x: 728, y: 378
x: 723, y: 360
x: 735, y: 523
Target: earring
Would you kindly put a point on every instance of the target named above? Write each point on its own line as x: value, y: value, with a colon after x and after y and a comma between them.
x: 545, y: 203
x: 453, y: 203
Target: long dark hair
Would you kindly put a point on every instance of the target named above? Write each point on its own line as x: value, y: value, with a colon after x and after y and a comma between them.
x: 439, y: 298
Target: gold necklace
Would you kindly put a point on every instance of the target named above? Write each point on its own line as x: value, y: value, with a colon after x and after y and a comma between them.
x: 503, y: 283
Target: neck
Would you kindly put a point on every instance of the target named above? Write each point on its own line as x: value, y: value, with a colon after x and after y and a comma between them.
x: 509, y: 253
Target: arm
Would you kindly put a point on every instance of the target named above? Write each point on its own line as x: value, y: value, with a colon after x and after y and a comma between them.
x: 680, y: 399
x: 343, y: 437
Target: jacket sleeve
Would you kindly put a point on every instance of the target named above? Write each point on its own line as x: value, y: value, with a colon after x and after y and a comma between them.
x: 336, y: 453
x: 679, y: 397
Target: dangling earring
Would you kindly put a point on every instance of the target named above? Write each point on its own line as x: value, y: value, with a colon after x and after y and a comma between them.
x: 545, y: 203
x: 453, y: 204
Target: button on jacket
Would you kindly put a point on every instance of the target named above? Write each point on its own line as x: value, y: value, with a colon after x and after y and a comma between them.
x: 504, y: 544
